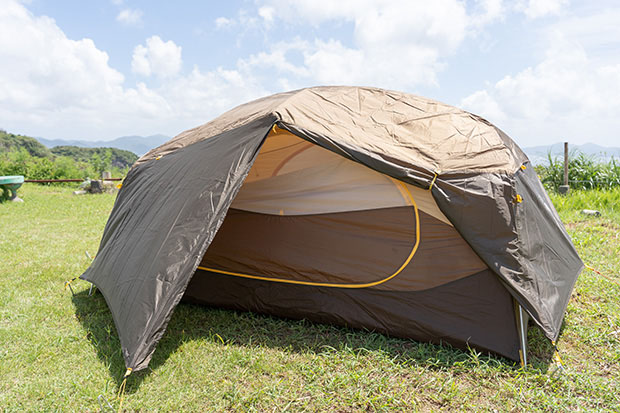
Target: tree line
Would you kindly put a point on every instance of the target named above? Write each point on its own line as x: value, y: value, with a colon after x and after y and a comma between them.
x: 24, y: 155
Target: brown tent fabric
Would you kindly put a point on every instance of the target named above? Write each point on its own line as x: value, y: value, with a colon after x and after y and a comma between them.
x: 343, y: 248
x: 163, y: 220
x: 294, y: 177
x: 377, y: 121
x: 449, y: 187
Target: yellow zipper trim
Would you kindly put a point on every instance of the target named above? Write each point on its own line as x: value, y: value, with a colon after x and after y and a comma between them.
x: 318, y: 284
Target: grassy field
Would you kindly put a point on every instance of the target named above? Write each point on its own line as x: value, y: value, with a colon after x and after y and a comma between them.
x: 60, y: 352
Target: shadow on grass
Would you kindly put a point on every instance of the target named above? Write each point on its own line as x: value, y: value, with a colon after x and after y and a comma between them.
x: 227, y: 327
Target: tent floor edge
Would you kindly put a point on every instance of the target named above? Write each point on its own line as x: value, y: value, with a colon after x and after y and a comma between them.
x: 476, y: 311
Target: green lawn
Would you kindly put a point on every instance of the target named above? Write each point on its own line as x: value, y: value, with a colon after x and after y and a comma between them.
x: 60, y: 352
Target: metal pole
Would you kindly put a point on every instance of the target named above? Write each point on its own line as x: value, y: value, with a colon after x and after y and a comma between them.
x: 47, y: 181
x: 523, y: 334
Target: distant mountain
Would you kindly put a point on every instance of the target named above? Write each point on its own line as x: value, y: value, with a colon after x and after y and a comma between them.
x: 142, y: 144
x: 539, y: 154
x: 136, y: 144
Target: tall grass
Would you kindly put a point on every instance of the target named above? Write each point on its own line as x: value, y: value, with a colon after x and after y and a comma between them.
x: 584, y: 172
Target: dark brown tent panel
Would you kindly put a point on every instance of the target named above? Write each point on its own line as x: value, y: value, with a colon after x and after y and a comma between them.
x: 355, y: 206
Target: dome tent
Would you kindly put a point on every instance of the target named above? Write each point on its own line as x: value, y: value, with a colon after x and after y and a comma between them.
x: 356, y: 206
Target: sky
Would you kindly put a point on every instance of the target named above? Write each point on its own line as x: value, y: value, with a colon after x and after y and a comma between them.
x: 544, y: 71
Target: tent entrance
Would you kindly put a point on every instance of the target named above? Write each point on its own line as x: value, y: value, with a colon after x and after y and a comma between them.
x: 308, y: 216
x: 314, y: 235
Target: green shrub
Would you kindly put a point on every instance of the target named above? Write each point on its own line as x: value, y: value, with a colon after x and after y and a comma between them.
x: 20, y: 162
x: 102, y: 158
x: 584, y: 172
x: 23, y: 155
x: 101, y: 163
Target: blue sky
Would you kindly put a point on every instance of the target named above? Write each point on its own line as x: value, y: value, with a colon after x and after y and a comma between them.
x: 542, y: 70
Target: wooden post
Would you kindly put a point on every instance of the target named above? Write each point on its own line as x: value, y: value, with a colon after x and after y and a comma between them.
x: 566, y: 163
x: 564, y: 188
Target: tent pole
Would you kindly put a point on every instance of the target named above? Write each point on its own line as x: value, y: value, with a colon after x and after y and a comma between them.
x: 522, y: 319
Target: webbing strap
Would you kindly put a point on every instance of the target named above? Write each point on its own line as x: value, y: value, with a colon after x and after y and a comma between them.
x: 556, y: 357
x: 121, y: 390
x: 432, y: 182
x: 608, y: 278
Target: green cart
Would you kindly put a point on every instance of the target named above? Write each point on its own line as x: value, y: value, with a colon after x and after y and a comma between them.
x: 9, y: 185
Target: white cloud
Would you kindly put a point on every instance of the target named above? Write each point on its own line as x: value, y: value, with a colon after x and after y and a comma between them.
x: 68, y: 86
x: 139, y: 62
x: 443, y: 23
x: 200, y: 96
x: 46, y: 67
x: 481, y: 102
x: 62, y: 88
x: 598, y: 33
x: 223, y: 22
x: 130, y: 17
x: 488, y: 11
x: 534, y: 9
x: 277, y: 59
x: 157, y: 57
x: 246, y: 21
x: 567, y: 95
x: 267, y: 13
x: 395, y: 44
x: 56, y: 83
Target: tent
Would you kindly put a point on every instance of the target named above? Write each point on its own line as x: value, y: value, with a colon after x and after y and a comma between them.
x: 356, y: 206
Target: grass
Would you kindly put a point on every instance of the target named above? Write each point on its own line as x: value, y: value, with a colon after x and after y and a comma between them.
x: 59, y: 352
